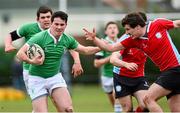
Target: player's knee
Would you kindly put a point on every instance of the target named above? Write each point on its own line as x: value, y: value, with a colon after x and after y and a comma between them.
x: 147, y: 100
x: 127, y: 107
x: 69, y: 109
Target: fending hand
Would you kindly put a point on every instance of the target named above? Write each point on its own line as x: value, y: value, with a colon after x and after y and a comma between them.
x: 89, y: 35
x: 131, y: 66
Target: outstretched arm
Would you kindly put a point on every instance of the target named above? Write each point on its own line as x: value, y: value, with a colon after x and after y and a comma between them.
x: 8, y: 44
x: 88, y: 50
x: 99, y: 62
x: 9, y: 39
x: 101, y: 43
x: 76, y: 68
x: 116, y: 61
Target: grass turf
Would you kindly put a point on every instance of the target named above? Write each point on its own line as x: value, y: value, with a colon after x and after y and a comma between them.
x: 86, y: 98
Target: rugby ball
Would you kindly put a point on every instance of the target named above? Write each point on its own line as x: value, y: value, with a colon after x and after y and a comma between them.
x: 35, y: 50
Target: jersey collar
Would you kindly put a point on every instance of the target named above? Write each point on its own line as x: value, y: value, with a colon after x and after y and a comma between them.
x: 40, y: 26
x: 147, y: 31
x: 55, y: 41
x: 148, y: 26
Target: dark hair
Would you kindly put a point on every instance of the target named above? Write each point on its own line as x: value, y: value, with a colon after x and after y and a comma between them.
x: 111, y: 22
x: 143, y: 15
x: 133, y: 20
x: 43, y: 9
x: 61, y: 15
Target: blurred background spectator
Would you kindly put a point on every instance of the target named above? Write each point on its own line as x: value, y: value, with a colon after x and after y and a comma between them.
x: 17, y: 75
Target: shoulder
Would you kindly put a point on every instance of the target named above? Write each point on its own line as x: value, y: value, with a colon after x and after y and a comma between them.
x: 161, y: 21
x: 29, y: 25
x: 39, y: 37
x: 67, y: 36
x: 42, y: 33
x: 123, y: 37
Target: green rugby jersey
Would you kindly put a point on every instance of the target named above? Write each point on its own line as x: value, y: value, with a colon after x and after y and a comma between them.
x: 27, y: 31
x: 106, y: 69
x: 53, y: 52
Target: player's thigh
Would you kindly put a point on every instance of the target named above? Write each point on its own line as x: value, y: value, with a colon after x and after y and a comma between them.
x: 156, y: 91
x: 140, y: 91
x: 126, y: 102
x: 173, y: 102
x: 40, y: 104
x: 107, y: 84
x: 62, y: 98
x: 36, y: 87
x: 139, y: 95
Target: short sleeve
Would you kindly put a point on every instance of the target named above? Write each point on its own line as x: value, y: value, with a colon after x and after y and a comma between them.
x: 37, y: 39
x: 164, y: 23
x: 23, y: 30
x: 73, y: 44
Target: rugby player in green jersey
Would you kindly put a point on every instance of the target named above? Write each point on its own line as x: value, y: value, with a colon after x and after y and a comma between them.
x: 44, y: 14
x: 44, y: 76
x: 102, y: 61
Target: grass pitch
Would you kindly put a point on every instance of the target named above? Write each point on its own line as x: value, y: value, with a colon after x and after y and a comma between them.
x: 86, y: 98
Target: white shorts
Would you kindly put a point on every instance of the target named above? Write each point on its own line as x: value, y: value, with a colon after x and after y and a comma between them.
x: 38, y: 86
x: 107, y: 84
x: 25, y: 77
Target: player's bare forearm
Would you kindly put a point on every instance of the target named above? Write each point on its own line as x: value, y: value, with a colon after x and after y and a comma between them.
x: 121, y: 63
x: 100, y: 62
x: 87, y: 50
x: 115, y: 60
x: 75, y: 56
x: 8, y: 40
x: 21, y: 55
x: 76, y: 68
x: 8, y: 44
x: 103, y: 45
x: 91, y: 50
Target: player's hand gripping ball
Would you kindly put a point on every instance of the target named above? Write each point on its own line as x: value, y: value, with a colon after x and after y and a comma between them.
x: 35, y: 50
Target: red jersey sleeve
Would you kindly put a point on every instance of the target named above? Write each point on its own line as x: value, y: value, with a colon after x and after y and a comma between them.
x: 164, y: 23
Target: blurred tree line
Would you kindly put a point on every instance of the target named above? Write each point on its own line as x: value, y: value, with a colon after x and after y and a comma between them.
x: 5, y: 67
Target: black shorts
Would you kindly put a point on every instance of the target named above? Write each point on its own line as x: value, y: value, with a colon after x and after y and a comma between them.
x: 170, y: 80
x: 127, y: 86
